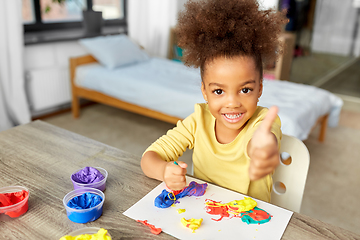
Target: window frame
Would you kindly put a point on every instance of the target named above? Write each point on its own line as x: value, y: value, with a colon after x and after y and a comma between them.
x: 40, y: 26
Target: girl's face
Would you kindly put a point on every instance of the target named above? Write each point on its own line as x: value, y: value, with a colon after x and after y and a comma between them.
x: 232, y: 88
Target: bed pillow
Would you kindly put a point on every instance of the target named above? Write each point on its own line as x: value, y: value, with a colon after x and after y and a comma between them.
x: 114, y: 51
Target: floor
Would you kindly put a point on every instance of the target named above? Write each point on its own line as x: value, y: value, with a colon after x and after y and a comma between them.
x: 331, y: 192
x: 346, y: 82
x: 335, y: 73
x: 315, y: 66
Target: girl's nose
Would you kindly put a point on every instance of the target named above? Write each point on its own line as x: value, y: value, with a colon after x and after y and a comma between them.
x: 232, y: 101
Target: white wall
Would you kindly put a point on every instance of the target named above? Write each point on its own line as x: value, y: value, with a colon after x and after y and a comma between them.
x: 47, y: 74
x: 357, y: 41
x: 334, y: 27
x: 266, y: 4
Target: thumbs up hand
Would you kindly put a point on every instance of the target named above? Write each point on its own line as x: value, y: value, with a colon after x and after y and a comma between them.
x: 263, y: 148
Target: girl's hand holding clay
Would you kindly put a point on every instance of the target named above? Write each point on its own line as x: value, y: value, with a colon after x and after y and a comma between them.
x: 174, y: 175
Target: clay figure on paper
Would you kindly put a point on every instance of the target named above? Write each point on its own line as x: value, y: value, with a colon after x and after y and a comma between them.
x: 153, y: 229
x: 192, y: 223
x: 181, y: 210
x: 166, y: 199
x: 245, y: 209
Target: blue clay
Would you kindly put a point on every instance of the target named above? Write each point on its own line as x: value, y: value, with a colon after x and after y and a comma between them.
x: 85, y: 201
x: 82, y: 203
x: 84, y: 217
x: 165, y: 199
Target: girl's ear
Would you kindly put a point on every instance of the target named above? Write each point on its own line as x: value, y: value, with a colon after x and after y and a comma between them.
x: 203, y: 91
x: 260, y: 88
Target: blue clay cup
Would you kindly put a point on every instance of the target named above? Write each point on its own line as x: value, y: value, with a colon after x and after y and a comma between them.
x: 84, y: 215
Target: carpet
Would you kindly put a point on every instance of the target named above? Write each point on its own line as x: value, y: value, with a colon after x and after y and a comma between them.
x: 310, y: 69
x: 332, y: 187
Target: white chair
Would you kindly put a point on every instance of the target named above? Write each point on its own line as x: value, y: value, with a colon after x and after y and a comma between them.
x: 289, y: 180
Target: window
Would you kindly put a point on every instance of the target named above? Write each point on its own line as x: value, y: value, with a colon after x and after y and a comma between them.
x: 52, y: 12
x: 41, y: 15
x: 28, y: 13
x: 111, y: 9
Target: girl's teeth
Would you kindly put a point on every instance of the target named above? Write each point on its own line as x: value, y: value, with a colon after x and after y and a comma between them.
x: 232, y: 116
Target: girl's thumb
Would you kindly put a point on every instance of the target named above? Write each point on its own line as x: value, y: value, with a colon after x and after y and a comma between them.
x: 182, y: 164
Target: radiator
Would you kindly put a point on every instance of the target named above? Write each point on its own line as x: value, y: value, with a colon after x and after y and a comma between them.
x: 48, y: 88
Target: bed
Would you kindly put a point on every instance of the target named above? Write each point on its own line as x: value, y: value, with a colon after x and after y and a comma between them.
x: 167, y: 90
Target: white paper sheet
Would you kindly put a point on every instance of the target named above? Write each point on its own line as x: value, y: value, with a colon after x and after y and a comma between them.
x: 169, y: 220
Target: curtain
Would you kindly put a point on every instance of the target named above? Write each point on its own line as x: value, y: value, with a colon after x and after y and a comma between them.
x: 14, y: 108
x: 149, y: 23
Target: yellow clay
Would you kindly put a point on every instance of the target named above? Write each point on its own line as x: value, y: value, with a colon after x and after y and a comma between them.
x: 181, y: 210
x: 192, y: 223
x: 100, y: 235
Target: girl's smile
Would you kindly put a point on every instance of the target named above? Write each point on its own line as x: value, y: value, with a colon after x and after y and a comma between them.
x: 231, y: 86
x: 233, y: 117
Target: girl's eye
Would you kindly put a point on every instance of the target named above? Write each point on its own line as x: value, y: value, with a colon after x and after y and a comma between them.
x: 246, y: 90
x: 218, y: 91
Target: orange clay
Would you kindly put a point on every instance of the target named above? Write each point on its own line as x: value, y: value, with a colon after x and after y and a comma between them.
x: 153, y: 229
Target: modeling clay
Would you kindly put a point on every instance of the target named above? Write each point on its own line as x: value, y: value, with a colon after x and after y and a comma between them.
x: 245, y: 209
x: 166, y: 199
x: 255, y: 216
x: 225, y: 209
x: 192, y: 223
x: 153, y: 229
x: 8, y: 199
x: 85, y: 201
x: 181, y: 210
x: 87, y: 175
x: 89, y: 201
x: 100, y: 235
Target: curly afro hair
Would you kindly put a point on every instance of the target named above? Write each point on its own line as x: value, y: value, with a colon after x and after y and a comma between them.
x: 208, y: 29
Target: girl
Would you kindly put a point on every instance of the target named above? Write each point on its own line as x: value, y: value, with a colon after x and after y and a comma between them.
x: 236, y: 143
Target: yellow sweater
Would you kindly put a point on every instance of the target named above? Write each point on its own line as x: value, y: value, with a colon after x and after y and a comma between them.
x: 225, y: 165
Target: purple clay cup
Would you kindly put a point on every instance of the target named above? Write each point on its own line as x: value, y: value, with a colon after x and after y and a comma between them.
x: 101, y: 185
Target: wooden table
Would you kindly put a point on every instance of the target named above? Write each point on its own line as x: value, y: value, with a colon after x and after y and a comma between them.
x: 42, y: 158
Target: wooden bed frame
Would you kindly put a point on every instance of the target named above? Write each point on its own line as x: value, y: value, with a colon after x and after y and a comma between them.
x: 79, y: 92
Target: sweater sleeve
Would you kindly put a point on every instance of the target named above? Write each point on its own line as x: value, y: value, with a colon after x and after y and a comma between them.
x: 172, y: 145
